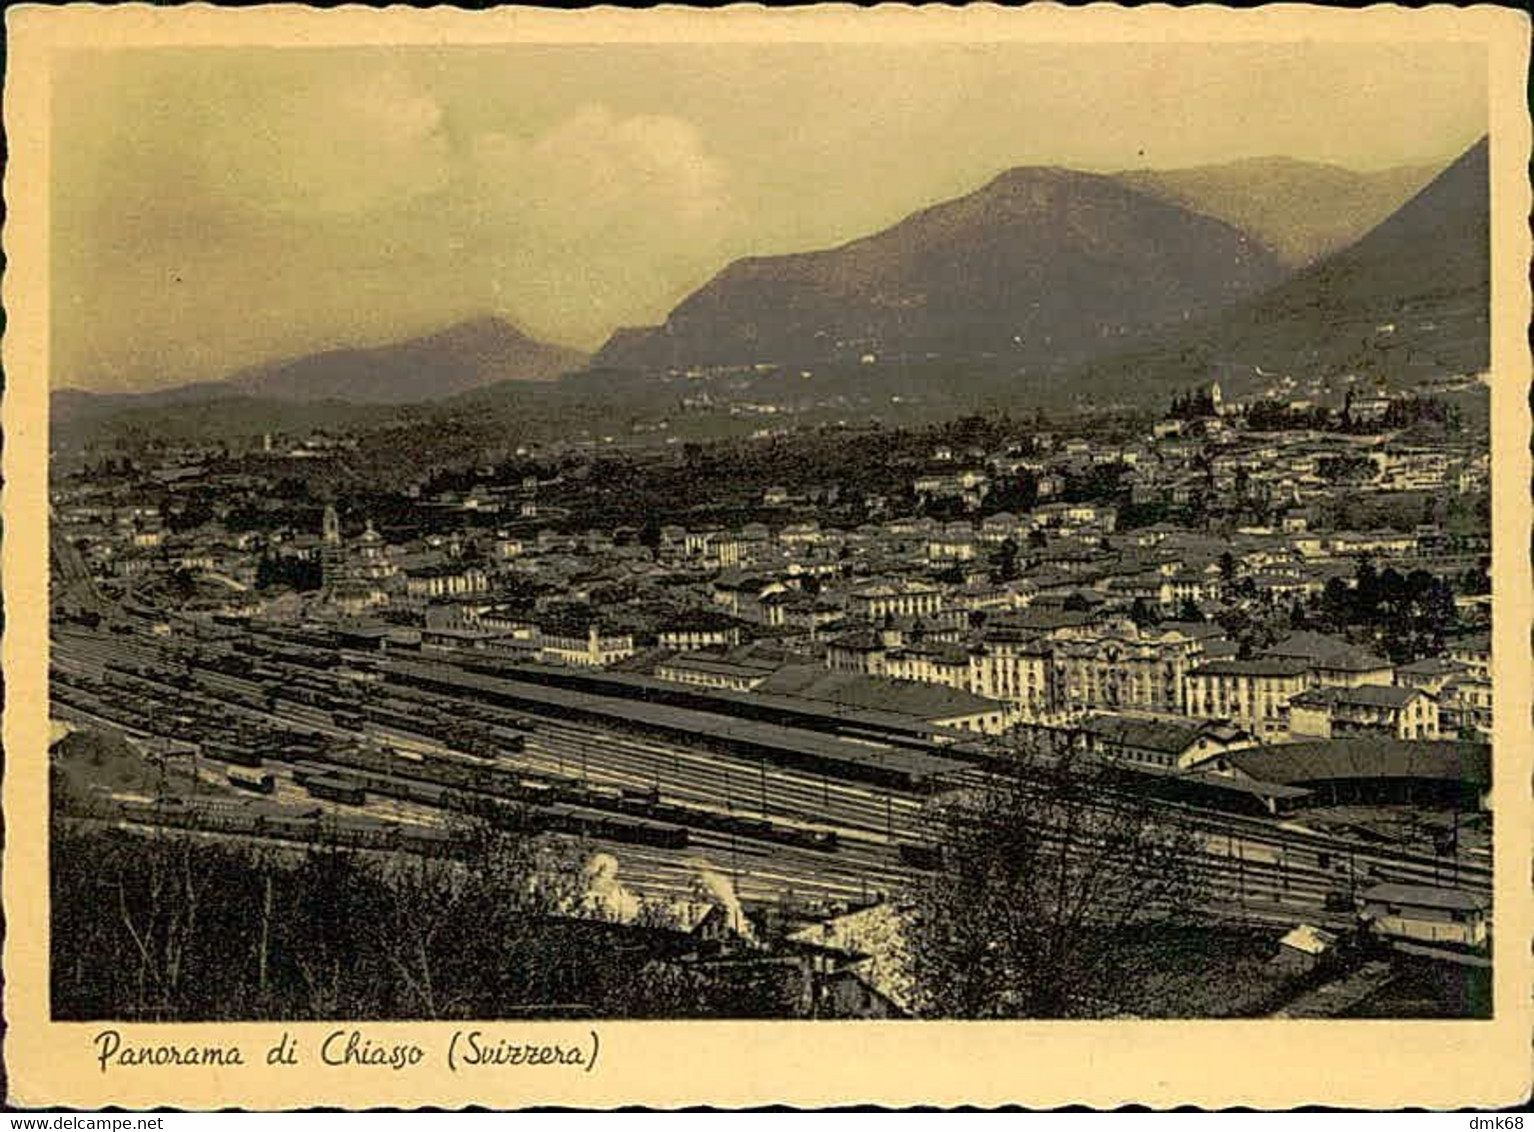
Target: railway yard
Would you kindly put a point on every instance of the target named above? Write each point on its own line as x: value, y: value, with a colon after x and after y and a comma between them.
x: 292, y: 735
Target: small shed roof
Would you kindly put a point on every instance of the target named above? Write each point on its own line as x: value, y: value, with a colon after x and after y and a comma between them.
x: 1309, y: 939
x: 1426, y: 896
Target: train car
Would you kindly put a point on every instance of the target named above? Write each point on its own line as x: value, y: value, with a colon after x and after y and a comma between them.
x: 752, y: 827
x: 824, y: 840
x: 920, y: 856
x: 670, y: 811
x: 605, y: 797
x: 613, y: 829
x: 505, y: 739
x: 336, y: 790
x: 1426, y: 913
x: 314, y: 697
x: 246, y: 780
x: 351, y: 720
x: 658, y: 836
x: 646, y: 795
x: 395, y: 718
x: 536, y: 793
x: 237, y: 753
x: 302, y: 745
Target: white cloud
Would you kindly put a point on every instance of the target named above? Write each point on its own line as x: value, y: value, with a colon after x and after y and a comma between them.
x: 598, y: 220
x: 594, y: 168
x: 336, y: 144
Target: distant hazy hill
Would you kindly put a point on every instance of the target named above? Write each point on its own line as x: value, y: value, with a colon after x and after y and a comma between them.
x: 1301, y: 210
x: 1043, y: 288
x: 466, y: 356
x: 215, y: 418
x: 1041, y: 264
x: 1411, y: 298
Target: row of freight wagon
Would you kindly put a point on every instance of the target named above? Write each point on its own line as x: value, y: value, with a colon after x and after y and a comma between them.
x: 309, y: 827
x: 353, y: 789
x: 509, y: 783
x: 503, y: 783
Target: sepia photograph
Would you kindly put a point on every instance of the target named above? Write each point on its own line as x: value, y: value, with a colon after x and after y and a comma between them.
x: 568, y: 531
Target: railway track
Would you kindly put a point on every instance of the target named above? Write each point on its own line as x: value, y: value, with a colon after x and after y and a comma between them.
x: 1259, y: 869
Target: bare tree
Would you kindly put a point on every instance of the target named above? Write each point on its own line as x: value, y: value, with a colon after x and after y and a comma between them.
x: 427, y: 898
x: 161, y: 920
x: 1047, y: 871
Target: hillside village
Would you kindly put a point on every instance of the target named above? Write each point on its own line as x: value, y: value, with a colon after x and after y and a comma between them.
x: 1187, y: 577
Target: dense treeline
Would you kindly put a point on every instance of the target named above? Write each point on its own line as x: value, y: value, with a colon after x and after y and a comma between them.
x: 1431, y: 415
x: 1192, y: 404
x: 1407, y: 616
x: 300, y: 574
x: 1280, y: 416
x: 162, y: 927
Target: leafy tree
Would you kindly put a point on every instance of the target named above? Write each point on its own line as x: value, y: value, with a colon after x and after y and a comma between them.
x: 1406, y: 616
x: 1346, y: 469
x: 1133, y: 516
x: 1019, y: 494
x: 1046, y: 870
x: 1004, y: 564
x: 1141, y: 613
x: 1098, y: 484
x: 195, y: 512
x: 1475, y: 581
x: 301, y: 574
x: 181, y: 584
x: 1196, y: 404
x: 1336, y: 602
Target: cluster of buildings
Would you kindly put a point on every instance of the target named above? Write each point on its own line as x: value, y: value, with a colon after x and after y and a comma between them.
x: 1211, y: 460
x: 984, y: 619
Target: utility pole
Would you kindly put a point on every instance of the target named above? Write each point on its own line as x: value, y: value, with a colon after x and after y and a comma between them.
x: 1241, y: 881
x: 1455, y: 843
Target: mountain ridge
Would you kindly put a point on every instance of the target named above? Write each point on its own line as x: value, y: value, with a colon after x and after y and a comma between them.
x: 1424, y: 267
x: 1274, y: 199
x: 1411, y: 296
x: 1040, y: 261
x: 475, y: 352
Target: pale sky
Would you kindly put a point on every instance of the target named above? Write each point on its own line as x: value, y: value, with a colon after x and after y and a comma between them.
x: 214, y: 208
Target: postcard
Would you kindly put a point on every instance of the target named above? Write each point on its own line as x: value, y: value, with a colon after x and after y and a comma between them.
x: 735, y: 557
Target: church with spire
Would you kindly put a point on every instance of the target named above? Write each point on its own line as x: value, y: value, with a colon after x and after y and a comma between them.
x: 353, y: 573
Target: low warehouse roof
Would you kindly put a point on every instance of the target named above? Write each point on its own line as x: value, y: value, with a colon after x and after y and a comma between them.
x: 1367, y: 757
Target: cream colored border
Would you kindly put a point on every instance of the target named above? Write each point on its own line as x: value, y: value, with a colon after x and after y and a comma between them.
x: 1265, y: 1064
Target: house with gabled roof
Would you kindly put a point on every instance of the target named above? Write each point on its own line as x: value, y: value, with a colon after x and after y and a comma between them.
x: 1166, y: 742
x: 1332, y: 661
x: 1328, y: 712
